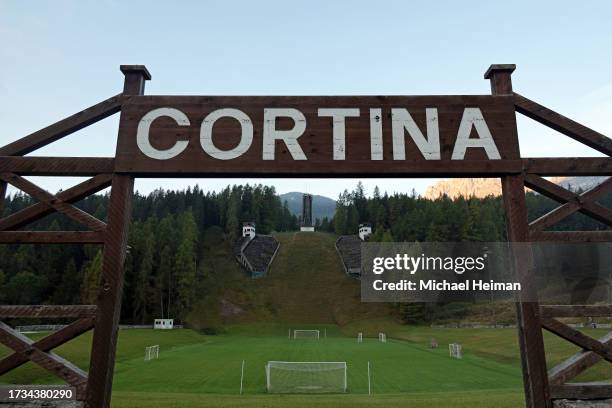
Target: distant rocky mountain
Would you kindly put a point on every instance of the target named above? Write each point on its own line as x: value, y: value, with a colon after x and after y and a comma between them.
x: 483, y: 187
x: 321, y: 206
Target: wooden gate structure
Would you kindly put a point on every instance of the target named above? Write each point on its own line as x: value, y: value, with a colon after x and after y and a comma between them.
x: 542, y: 386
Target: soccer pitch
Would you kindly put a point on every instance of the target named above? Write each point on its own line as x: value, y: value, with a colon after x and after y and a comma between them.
x: 196, y: 371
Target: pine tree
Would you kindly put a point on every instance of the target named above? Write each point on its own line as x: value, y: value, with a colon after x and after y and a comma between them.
x: 185, y: 266
x: 91, y: 280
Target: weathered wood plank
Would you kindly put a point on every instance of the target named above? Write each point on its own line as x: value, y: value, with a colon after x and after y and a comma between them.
x: 48, y: 343
x: 57, y: 166
x: 563, y: 124
x: 569, y: 166
x: 2, y: 196
x: 47, y: 311
x: 531, y: 342
x: 54, y: 202
x: 582, y: 391
x: 368, y: 145
x: 104, y: 344
x: 40, y: 210
x: 51, y: 237
x: 572, y: 236
x: 64, y: 127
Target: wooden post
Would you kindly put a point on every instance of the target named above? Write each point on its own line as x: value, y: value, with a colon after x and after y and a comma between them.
x: 535, y: 377
x: 2, y: 194
x: 111, y: 283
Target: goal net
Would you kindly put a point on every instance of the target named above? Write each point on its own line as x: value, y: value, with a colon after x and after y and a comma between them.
x: 151, y: 352
x: 305, y: 377
x: 455, y: 350
x: 306, y: 334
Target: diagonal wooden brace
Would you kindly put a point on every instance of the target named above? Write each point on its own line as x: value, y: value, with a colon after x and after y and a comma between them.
x: 48, y: 343
x: 579, y: 339
x: 51, y: 362
x: 40, y: 210
x: 576, y: 364
x: 563, y: 124
x: 64, y: 127
x: 54, y: 202
x: 573, y: 202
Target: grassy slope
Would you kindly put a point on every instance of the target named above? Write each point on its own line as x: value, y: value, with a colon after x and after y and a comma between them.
x: 306, y: 284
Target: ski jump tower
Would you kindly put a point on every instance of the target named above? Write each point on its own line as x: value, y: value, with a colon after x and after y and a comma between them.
x: 307, y: 225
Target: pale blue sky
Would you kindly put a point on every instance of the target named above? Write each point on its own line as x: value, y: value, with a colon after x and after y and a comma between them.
x: 58, y: 57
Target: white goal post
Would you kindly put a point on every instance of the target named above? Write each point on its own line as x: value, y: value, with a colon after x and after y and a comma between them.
x: 151, y: 352
x: 304, y: 377
x: 455, y: 350
x: 306, y: 334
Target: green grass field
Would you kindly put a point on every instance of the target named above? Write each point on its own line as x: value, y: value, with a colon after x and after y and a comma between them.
x: 204, y: 371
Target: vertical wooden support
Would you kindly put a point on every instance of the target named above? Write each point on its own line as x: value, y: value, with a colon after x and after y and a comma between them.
x: 2, y: 194
x: 111, y: 283
x: 535, y: 377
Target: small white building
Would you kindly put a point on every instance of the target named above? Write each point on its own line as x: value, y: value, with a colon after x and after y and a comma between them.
x: 163, y: 324
x: 365, y: 230
x: 248, y: 229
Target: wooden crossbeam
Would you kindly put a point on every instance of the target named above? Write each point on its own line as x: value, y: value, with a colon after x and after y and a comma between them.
x: 51, y: 237
x: 71, y: 195
x: 57, y: 166
x: 571, y: 236
x: 51, y: 362
x: 54, y: 202
x: 582, y: 391
x: 64, y: 127
x: 563, y: 124
x: 573, y: 202
x: 48, y: 343
x: 577, y: 338
x: 569, y: 166
x: 47, y: 311
x: 575, y: 310
x: 576, y: 364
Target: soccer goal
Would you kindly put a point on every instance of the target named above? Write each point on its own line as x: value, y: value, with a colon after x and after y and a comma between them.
x: 306, y: 334
x: 306, y: 377
x: 151, y: 352
x: 455, y: 350
x: 360, y: 338
x: 382, y: 337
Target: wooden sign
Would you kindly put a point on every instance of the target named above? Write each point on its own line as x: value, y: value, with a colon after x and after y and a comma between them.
x: 309, y: 135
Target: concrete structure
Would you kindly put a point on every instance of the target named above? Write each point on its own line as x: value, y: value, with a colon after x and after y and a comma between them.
x: 307, y: 225
x: 248, y: 230
x: 365, y: 230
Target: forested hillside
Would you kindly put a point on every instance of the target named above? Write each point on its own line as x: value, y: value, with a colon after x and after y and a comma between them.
x: 169, y: 268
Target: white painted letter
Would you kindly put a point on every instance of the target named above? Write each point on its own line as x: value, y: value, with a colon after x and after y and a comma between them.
x: 339, y: 128
x: 246, y: 136
x: 429, y: 147
x: 376, y: 138
x: 142, y: 134
x: 271, y: 135
x: 473, y: 117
